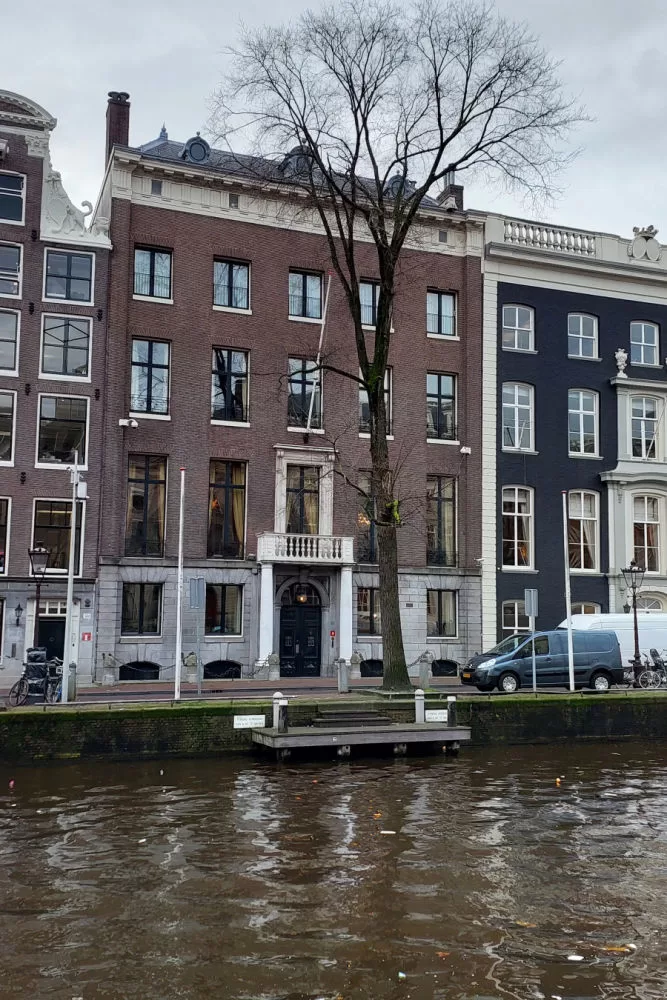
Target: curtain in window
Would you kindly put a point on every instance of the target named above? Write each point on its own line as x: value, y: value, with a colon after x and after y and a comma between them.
x: 238, y: 504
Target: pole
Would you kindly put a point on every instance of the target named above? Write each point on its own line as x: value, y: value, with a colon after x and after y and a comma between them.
x: 74, y: 476
x: 319, y: 355
x: 637, y: 665
x: 179, y: 594
x: 38, y: 597
x: 532, y: 629
x: 568, y: 596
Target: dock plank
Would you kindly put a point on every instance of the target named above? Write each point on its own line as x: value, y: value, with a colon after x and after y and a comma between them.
x: 311, y: 736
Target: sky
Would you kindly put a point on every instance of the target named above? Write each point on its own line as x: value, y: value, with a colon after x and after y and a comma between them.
x: 169, y: 55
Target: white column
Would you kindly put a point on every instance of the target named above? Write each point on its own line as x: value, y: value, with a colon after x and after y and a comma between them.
x: 266, y: 613
x: 345, y: 624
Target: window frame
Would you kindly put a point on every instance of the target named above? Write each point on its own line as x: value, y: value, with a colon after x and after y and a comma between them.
x: 301, y: 378
x: 438, y: 334
x: 300, y: 492
x: 303, y: 317
x: 517, y: 567
x: 516, y: 603
x: 13, y: 372
x: 582, y: 604
x: 644, y: 323
x: 228, y: 487
x: 81, y: 506
x: 54, y: 376
x: 90, y: 301
x: 595, y: 338
x: 581, y: 414
x: 374, y: 285
x: 439, y: 556
x: 231, y: 264
x: 442, y: 633
x: 389, y: 404
x: 515, y: 327
x: 584, y: 570
x: 644, y: 456
x: 153, y: 250
x: 147, y: 482
x: 83, y: 466
x: 16, y: 173
x: 516, y: 407
x: 9, y: 463
x: 439, y: 396
x: 222, y: 635
x: 373, y: 600
x: 141, y: 634
x: 4, y: 568
x: 19, y: 276
x: 366, y: 534
x: 645, y: 546
x: 150, y: 414
x: 229, y: 377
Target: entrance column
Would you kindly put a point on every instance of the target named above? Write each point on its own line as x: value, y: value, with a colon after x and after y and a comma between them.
x: 345, y: 624
x: 266, y: 613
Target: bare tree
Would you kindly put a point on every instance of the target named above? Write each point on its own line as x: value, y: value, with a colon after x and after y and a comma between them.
x: 378, y: 102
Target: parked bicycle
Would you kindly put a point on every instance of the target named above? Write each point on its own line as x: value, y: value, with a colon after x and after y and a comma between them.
x: 654, y: 674
x: 40, y: 677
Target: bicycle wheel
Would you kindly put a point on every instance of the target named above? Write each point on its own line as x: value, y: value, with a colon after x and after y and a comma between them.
x: 647, y: 679
x: 18, y: 694
x: 54, y: 692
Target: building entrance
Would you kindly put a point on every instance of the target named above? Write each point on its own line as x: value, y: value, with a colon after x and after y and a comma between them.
x: 300, y: 632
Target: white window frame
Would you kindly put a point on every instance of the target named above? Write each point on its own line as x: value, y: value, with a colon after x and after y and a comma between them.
x: 515, y: 406
x: 19, y: 247
x: 434, y: 334
x: 322, y: 457
x: 516, y: 628
x: 319, y: 380
x: 650, y: 598
x: 83, y: 467
x: 5, y: 571
x: 3, y: 463
x: 515, y: 327
x: 143, y: 636
x: 577, y: 608
x: 375, y: 285
x: 61, y: 573
x: 642, y: 326
x: 645, y: 457
x: 77, y: 253
x: 51, y: 376
x: 13, y: 372
x: 595, y: 569
x: 388, y: 385
x: 581, y: 413
x: 660, y: 506
x: 146, y: 414
x: 14, y: 222
x: 595, y: 338
x: 516, y: 567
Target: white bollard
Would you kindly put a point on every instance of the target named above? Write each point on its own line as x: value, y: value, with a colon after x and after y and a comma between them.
x: 277, y: 699
x: 343, y: 679
x: 419, y: 705
x: 451, y: 710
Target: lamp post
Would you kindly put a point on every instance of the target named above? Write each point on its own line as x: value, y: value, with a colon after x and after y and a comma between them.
x: 39, y: 560
x: 634, y: 576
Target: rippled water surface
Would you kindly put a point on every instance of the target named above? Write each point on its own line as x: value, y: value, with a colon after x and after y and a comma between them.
x: 243, y: 879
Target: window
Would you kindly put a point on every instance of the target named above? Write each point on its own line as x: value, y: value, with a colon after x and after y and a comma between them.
x: 53, y: 523
x: 369, y: 621
x: 582, y: 422
x: 517, y: 527
x: 514, y: 617
x: 366, y: 526
x: 150, y: 377
x: 369, y: 293
x: 7, y: 403
x: 10, y: 270
x: 582, y: 336
x: 441, y: 521
x: 142, y: 609
x: 229, y: 385
x: 582, y: 530
x: 304, y: 394
x: 440, y: 407
x: 302, y: 511
x: 156, y: 187
x: 69, y: 276
x: 11, y: 197
x: 9, y: 340
x: 4, y: 540
x: 305, y: 295
x: 644, y: 427
x: 146, y: 489
x: 226, y: 509
x: 649, y: 604
x: 518, y: 419
x: 646, y: 517
x: 62, y: 429
x: 152, y: 273
x: 65, y: 346
x: 441, y: 314
x: 224, y: 609
x: 364, y: 407
x: 518, y: 328
x: 644, y: 344
x: 587, y: 608
x: 231, y: 284
x: 233, y: 201
x: 440, y: 613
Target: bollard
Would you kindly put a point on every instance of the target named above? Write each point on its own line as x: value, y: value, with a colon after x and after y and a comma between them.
x: 425, y: 661
x: 451, y: 710
x: 282, y: 716
x: 419, y: 705
x: 277, y: 698
x: 355, y: 665
x: 343, y: 679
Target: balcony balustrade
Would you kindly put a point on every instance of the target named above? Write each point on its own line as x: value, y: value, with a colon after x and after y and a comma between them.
x: 318, y: 549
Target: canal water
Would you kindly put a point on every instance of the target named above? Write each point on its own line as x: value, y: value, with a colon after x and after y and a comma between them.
x: 431, y: 879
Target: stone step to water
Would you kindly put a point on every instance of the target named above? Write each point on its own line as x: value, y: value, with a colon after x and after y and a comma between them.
x: 350, y: 717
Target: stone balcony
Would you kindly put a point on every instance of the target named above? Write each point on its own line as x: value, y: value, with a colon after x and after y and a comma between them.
x: 321, y: 550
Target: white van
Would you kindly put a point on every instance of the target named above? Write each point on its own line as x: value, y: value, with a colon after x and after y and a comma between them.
x: 652, y: 630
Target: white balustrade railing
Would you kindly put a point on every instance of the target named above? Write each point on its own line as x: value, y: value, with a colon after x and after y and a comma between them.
x: 526, y: 234
x: 274, y: 547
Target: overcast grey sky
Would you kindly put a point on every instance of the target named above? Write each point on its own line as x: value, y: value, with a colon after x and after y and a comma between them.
x: 168, y: 55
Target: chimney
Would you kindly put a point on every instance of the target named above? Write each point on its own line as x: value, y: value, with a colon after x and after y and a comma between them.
x: 451, y: 196
x: 118, y: 121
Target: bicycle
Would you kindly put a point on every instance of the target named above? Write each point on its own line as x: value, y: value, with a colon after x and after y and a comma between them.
x: 38, y: 678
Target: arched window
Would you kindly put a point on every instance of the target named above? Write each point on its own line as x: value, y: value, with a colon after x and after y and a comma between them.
x: 139, y: 670
x: 222, y: 670
x: 649, y: 604
x: 585, y: 608
x: 300, y: 593
x: 517, y: 527
x: 371, y: 668
x: 646, y: 532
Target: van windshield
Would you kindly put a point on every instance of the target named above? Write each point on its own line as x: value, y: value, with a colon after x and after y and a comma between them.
x: 509, y: 644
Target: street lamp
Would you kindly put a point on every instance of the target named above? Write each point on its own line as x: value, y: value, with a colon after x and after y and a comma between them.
x: 634, y: 576
x: 39, y: 560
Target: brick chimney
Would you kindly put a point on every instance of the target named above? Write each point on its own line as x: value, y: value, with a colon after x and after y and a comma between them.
x: 118, y: 121
x: 451, y: 196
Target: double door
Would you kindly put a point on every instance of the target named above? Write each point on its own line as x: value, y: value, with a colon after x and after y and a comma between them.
x: 300, y: 641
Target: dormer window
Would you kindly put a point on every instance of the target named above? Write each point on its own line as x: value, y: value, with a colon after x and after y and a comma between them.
x: 196, y: 150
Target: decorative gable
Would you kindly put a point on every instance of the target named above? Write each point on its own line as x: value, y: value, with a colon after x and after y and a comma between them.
x: 20, y: 112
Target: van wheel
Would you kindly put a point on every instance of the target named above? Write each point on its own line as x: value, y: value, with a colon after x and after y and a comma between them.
x: 508, y: 683
x: 600, y: 681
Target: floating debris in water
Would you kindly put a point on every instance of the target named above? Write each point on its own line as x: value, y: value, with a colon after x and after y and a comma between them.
x: 142, y: 841
x: 388, y: 833
x: 575, y: 958
x: 402, y: 975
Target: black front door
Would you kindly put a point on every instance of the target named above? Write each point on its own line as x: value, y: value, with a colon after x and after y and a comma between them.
x: 51, y: 634
x: 300, y: 637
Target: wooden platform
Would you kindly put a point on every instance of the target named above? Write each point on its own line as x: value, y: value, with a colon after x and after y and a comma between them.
x: 343, y: 738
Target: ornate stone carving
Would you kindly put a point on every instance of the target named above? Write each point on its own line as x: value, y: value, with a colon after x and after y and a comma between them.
x: 38, y: 144
x: 63, y: 220
x: 621, y: 362
x: 645, y: 246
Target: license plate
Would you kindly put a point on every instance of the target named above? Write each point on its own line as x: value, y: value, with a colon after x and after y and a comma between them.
x: 466, y: 677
